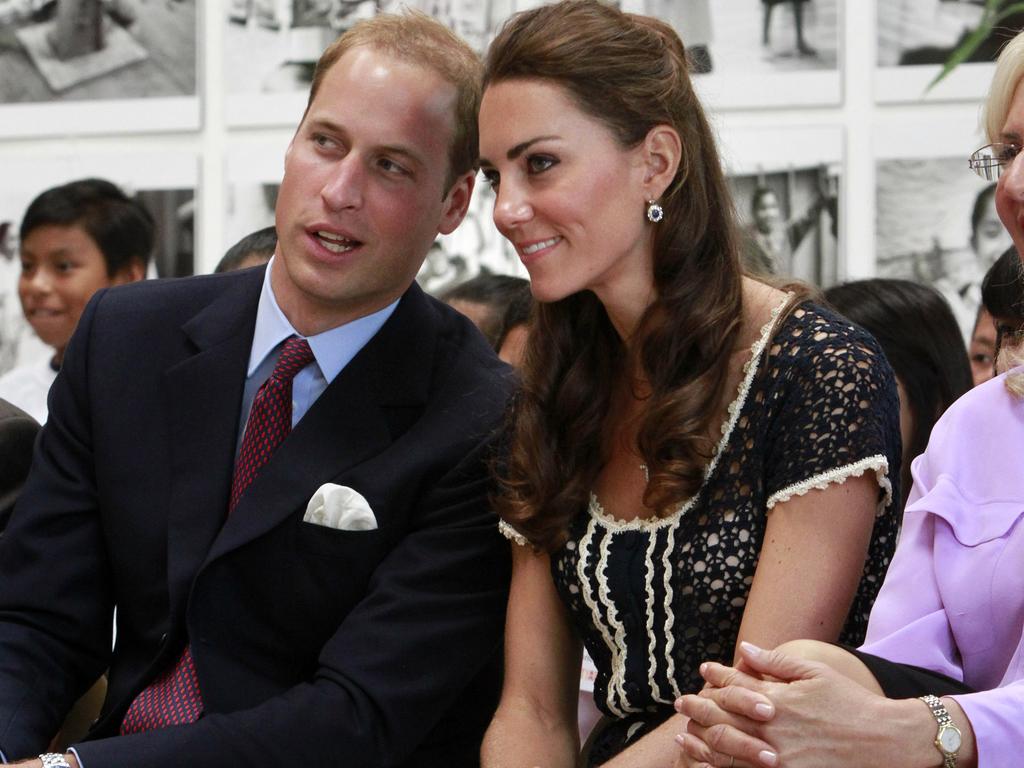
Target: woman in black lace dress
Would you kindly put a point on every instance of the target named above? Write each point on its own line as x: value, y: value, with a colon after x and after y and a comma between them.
x: 696, y: 458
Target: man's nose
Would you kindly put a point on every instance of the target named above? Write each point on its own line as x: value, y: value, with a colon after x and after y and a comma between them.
x: 344, y: 186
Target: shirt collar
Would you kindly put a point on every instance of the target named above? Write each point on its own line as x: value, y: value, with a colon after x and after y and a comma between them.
x: 333, y: 349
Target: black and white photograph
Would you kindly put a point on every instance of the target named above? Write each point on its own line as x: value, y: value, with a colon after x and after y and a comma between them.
x: 163, y: 184
x: 786, y: 188
x: 751, y: 53
x: 746, y: 51
x: 290, y: 35
x: 790, y: 223
x: 97, y: 65
x: 946, y: 240
x: 916, y: 38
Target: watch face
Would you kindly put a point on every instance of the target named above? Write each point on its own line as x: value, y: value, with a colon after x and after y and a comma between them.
x: 949, y: 739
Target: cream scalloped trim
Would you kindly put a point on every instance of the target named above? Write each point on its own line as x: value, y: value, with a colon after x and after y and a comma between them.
x: 840, y: 475
x: 652, y: 638
x: 512, y: 534
x: 598, y: 512
x: 670, y: 617
x: 620, y: 650
x: 588, y: 598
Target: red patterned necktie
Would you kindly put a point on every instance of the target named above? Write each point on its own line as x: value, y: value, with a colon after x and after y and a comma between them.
x: 174, y: 697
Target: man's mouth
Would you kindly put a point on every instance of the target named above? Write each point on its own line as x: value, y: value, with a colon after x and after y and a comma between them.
x: 336, y: 243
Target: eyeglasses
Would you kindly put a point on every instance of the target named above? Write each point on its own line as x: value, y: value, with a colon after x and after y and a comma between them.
x: 989, y: 161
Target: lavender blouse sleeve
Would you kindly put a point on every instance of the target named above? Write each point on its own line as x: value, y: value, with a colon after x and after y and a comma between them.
x: 953, y: 599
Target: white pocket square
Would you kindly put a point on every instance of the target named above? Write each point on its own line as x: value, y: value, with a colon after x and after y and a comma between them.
x: 341, y: 508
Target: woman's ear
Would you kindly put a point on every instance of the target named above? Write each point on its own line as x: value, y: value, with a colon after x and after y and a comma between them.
x: 662, y: 154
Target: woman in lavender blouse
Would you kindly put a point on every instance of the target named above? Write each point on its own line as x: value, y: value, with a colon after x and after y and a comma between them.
x: 940, y: 679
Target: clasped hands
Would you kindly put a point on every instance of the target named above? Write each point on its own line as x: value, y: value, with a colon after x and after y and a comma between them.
x: 774, y: 710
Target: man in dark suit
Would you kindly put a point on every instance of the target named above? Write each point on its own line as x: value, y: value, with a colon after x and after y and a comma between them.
x: 18, y: 431
x: 335, y: 596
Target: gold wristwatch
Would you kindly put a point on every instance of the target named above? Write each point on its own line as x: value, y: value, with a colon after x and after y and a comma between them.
x: 949, y: 738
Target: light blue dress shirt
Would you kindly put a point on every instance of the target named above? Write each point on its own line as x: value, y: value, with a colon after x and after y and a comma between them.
x: 333, y: 350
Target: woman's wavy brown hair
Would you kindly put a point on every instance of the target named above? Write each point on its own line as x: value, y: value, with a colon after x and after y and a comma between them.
x: 629, y: 72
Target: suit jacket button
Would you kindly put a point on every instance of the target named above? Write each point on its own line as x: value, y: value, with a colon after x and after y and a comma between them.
x: 163, y: 638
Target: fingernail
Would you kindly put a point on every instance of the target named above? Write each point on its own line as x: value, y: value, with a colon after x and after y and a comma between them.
x: 750, y: 648
x: 678, y: 705
x: 679, y: 739
x: 703, y: 667
x: 764, y: 710
x: 767, y: 757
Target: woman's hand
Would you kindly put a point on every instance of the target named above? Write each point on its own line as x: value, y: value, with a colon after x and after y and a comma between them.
x: 789, y: 712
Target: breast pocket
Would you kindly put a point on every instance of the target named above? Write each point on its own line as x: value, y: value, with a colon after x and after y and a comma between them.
x: 328, y: 542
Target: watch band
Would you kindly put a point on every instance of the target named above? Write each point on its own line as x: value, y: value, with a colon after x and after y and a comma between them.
x: 54, y: 760
x: 947, y: 740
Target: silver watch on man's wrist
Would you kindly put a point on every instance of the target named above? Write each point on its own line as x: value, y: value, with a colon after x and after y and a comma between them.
x: 54, y: 760
x: 948, y: 738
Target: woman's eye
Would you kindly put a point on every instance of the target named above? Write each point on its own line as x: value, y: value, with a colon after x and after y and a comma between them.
x: 540, y: 163
x: 1008, y: 152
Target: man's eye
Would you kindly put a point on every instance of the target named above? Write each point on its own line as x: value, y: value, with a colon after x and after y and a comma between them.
x: 391, y: 166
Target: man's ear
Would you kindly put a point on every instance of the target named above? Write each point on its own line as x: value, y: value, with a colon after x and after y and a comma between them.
x: 662, y: 153
x: 131, y: 272
x: 456, y: 203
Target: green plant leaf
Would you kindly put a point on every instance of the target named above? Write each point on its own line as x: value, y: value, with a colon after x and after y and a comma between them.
x: 995, y: 12
x: 962, y: 52
x: 1007, y: 11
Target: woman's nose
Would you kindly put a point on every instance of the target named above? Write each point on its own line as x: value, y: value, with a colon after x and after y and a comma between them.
x: 511, y: 209
x: 1012, y: 179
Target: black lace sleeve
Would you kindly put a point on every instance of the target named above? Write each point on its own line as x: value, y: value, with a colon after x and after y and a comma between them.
x: 836, y: 406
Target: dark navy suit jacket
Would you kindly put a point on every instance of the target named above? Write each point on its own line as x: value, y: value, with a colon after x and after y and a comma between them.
x: 313, y: 646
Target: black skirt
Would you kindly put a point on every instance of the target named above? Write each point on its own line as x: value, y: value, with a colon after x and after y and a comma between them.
x: 905, y: 681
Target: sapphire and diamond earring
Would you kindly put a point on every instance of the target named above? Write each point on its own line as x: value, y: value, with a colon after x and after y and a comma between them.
x: 655, y: 212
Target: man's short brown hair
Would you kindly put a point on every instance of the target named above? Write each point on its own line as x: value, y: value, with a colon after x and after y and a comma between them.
x: 415, y: 37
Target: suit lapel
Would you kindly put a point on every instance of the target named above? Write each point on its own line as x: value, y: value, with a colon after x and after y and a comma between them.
x: 356, y: 417
x: 202, y: 395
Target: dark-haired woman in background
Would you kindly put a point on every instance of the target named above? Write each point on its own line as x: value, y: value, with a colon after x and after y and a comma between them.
x: 1003, y: 289
x: 695, y: 457
x: 922, y: 341
x: 1002, y: 294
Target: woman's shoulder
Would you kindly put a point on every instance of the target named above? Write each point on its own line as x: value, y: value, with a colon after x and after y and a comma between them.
x: 969, y: 475
x: 812, y: 336
x: 983, y: 431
